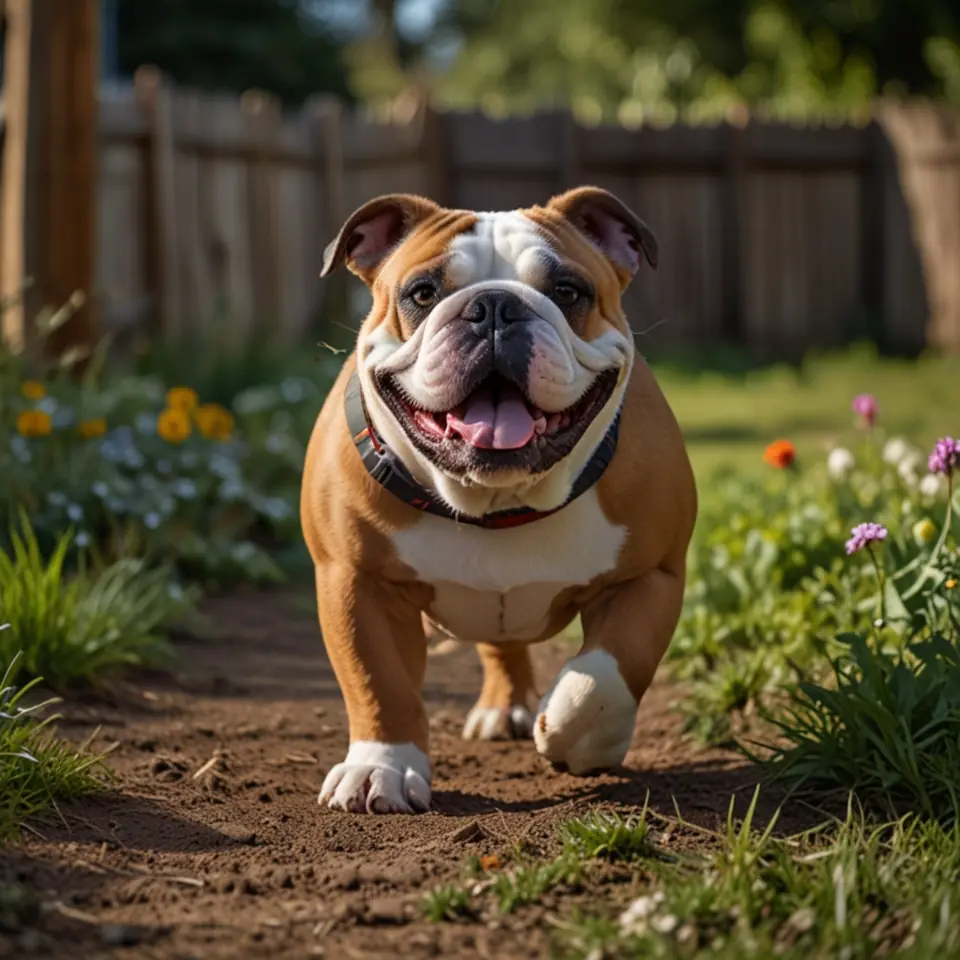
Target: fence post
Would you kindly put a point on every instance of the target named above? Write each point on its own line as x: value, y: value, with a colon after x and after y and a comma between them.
x: 327, y: 114
x: 155, y: 95
x: 51, y: 165
x: 732, y: 203
x: 437, y: 155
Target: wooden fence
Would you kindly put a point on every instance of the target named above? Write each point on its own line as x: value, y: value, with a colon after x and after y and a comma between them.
x: 775, y: 237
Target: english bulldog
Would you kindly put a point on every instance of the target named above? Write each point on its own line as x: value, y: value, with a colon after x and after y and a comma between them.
x: 494, y: 459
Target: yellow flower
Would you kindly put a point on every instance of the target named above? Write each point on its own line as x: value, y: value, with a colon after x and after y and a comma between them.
x: 33, y: 389
x: 96, y: 427
x: 34, y: 423
x: 215, y: 422
x: 182, y: 398
x: 951, y: 583
x: 173, y: 425
x: 924, y: 531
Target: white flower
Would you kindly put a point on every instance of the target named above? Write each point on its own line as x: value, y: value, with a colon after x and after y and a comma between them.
x: 895, y: 449
x: 840, y: 462
x: 666, y: 923
x: 910, y: 468
x: 933, y: 484
x: 634, y: 918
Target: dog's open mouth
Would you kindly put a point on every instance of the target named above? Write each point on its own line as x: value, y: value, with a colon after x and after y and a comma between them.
x: 498, y: 416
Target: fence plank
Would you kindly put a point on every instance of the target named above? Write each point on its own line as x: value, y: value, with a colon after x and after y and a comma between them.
x: 776, y: 237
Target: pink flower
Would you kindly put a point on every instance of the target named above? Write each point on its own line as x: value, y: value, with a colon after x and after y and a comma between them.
x: 945, y: 456
x: 865, y: 406
x: 863, y: 534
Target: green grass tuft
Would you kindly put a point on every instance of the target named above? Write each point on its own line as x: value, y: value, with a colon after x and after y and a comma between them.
x: 36, y: 769
x: 606, y: 835
x: 888, y: 726
x: 527, y: 883
x: 77, y: 627
x: 447, y: 904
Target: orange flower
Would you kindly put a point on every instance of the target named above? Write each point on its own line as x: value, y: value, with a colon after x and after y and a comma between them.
x: 33, y: 389
x: 96, y: 427
x: 173, y: 425
x: 780, y: 454
x: 215, y: 422
x: 490, y: 861
x: 182, y: 398
x: 34, y: 423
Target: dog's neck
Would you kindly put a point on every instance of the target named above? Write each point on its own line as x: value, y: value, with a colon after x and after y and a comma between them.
x: 387, y: 469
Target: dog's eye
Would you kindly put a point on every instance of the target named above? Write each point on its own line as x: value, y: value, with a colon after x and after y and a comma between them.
x: 424, y: 295
x: 565, y: 294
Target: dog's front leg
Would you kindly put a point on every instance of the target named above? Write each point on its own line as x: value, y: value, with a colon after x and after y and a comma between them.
x: 374, y: 638
x: 586, y: 720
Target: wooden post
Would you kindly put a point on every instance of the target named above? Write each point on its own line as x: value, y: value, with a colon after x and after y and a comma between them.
x: 733, y: 317
x: 50, y: 164
x: 15, y: 260
x: 155, y: 95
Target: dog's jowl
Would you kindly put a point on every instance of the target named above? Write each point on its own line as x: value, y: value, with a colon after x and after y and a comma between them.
x: 494, y: 459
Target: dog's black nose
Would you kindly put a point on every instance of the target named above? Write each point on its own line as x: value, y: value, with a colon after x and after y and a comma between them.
x: 495, y: 308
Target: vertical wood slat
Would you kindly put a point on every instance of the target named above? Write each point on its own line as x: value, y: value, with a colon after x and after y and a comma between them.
x: 774, y: 238
x: 156, y: 95
x: 51, y: 161
x: 16, y: 195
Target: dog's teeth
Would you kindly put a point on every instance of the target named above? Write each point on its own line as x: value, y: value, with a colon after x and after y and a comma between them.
x: 540, y: 425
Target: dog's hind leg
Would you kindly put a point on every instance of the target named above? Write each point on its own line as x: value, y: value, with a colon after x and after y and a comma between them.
x: 503, y: 711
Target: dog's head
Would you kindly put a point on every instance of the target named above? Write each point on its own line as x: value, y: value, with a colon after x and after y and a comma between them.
x: 496, y: 353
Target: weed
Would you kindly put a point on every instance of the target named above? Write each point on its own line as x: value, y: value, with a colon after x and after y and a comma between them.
x: 889, y: 727
x: 77, y: 627
x: 527, y: 883
x: 36, y: 769
x: 447, y: 904
x: 608, y: 836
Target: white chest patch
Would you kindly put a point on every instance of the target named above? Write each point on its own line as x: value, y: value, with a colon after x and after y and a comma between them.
x: 492, y: 585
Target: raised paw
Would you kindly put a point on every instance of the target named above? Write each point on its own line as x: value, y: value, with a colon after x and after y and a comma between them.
x: 498, y: 723
x: 379, y: 778
x: 586, y: 721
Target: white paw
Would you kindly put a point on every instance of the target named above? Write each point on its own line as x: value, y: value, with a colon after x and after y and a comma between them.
x: 586, y: 721
x: 379, y: 778
x: 498, y: 723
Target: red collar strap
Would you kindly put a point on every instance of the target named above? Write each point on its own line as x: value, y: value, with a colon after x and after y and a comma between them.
x: 393, y: 476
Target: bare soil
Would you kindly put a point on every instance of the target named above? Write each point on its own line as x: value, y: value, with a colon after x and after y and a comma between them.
x: 210, y: 842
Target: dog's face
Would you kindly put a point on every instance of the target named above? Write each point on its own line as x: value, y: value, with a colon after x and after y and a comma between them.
x: 496, y: 353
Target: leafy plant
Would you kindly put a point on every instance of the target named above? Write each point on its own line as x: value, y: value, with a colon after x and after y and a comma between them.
x: 140, y: 464
x: 36, y: 769
x: 447, y: 904
x: 609, y: 836
x: 76, y: 626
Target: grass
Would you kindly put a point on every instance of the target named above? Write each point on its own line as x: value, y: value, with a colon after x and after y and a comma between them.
x: 607, y: 835
x: 850, y: 888
x: 76, y: 627
x: 36, y: 769
x: 728, y: 419
x: 888, y: 726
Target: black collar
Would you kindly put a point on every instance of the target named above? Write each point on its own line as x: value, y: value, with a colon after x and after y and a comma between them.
x: 393, y: 476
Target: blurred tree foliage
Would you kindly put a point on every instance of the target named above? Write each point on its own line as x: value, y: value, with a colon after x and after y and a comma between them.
x: 626, y: 60
x: 232, y: 45
x: 634, y: 60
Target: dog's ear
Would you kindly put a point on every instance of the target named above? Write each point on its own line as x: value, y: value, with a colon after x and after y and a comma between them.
x: 372, y: 231
x: 610, y: 225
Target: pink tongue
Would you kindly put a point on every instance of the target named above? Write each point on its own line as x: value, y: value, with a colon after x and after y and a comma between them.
x: 504, y: 425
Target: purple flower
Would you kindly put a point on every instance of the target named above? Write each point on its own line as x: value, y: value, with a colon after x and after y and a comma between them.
x: 863, y: 534
x: 865, y: 406
x: 945, y: 456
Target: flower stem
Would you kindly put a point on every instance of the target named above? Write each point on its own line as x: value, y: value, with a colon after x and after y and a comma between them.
x: 880, y: 580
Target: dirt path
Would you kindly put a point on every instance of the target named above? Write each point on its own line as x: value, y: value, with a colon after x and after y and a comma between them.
x: 211, y: 844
